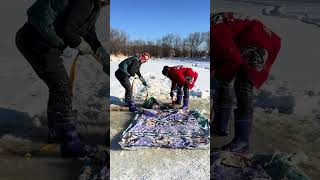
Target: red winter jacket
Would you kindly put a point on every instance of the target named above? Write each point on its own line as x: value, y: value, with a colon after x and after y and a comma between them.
x: 229, y: 35
x: 179, y: 76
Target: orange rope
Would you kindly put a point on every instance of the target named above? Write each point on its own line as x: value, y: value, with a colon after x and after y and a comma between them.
x: 73, y: 69
x: 73, y: 73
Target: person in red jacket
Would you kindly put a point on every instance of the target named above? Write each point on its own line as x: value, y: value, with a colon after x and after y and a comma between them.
x: 242, y: 50
x: 182, y: 78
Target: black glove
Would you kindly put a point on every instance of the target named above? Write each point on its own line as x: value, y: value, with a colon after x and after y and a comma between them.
x: 102, y: 54
x: 189, y: 79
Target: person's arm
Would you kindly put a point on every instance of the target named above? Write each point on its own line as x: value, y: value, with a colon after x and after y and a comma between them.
x: 99, y: 51
x: 191, y: 77
x: 173, y: 88
x: 77, y: 14
x: 139, y: 74
x: 92, y: 39
x: 42, y: 16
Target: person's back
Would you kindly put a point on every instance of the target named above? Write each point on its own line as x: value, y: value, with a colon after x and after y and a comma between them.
x: 179, y: 74
x: 130, y: 66
x: 175, y: 74
x: 233, y: 33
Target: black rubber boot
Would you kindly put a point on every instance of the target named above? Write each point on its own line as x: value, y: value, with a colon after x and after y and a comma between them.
x: 222, y: 116
x: 178, y: 100
x: 75, y: 149
x: 52, y: 136
x: 241, y: 140
x: 222, y: 107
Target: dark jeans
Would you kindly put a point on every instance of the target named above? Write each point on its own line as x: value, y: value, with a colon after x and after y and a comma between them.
x: 223, y: 94
x: 183, y: 90
x: 47, y: 64
x: 125, y: 82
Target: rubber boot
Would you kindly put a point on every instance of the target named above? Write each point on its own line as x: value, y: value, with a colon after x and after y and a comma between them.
x: 222, y: 107
x: 185, y: 104
x: 127, y: 97
x: 65, y: 130
x: 222, y: 116
x: 52, y: 137
x: 127, y: 100
x: 51, y: 134
x: 52, y: 118
x: 241, y: 140
x: 178, y: 100
x: 132, y: 106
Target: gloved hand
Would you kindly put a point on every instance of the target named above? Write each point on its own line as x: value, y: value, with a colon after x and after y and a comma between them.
x: 189, y: 82
x: 136, y: 76
x: 143, y: 81
x: 171, y: 93
x: 102, y: 54
x: 84, y: 48
x: 189, y: 79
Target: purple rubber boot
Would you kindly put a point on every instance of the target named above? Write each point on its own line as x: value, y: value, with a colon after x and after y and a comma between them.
x: 132, y: 106
x: 67, y: 134
x: 185, y: 104
x: 241, y: 141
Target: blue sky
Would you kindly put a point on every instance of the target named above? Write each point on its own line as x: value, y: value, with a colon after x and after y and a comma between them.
x: 151, y: 19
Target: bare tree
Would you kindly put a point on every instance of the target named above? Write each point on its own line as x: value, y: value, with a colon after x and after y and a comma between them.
x: 118, y: 41
x: 171, y: 45
x: 166, y: 44
x: 185, y: 48
x: 207, y: 41
x: 194, y: 39
x: 177, y: 45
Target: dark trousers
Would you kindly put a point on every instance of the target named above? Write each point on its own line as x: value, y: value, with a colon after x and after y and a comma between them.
x: 183, y: 90
x: 125, y: 82
x: 47, y: 64
x: 223, y: 94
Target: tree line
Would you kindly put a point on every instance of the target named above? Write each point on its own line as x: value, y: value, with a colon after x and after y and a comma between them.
x: 196, y: 44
